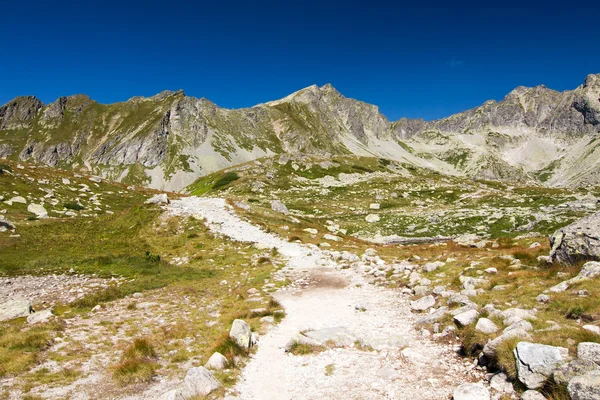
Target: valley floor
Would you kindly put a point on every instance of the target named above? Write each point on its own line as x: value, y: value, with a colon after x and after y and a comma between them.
x: 370, y: 351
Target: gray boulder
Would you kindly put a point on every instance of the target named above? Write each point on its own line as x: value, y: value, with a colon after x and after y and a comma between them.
x: 15, y: 309
x: 471, y: 391
x: 537, y: 362
x: 585, y: 387
x: 589, y: 351
x: 160, y: 198
x: 216, y: 361
x: 39, y: 317
x: 568, y: 371
x: 278, y: 206
x: 578, y: 241
x: 466, y: 318
x: 241, y: 333
x: 38, y: 210
x: 199, y: 382
x: 485, y: 325
x: 423, y: 303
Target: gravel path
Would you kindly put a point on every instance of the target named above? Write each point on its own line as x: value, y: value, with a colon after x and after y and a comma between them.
x: 393, y: 361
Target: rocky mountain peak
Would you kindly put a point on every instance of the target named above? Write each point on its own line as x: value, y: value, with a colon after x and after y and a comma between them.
x: 18, y: 111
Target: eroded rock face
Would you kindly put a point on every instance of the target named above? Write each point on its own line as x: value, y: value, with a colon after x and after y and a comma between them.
x: 578, y: 241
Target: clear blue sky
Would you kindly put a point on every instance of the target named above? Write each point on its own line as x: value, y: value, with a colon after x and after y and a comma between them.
x: 427, y: 59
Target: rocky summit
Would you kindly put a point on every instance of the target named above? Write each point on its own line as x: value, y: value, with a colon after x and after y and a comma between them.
x: 167, y: 141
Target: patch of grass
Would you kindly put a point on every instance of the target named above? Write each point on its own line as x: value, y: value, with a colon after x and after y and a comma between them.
x: 226, y: 180
x: 138, y: 363
x: 472, y: 340
x: 73, y: 206
x: 329, y: 368
x: 302, y: 349
x: 505, y: 357
x: 229, y: 348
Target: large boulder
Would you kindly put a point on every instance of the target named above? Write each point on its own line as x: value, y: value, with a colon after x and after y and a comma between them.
x: 241, y: 333
x: 585, y: 387
x: 537, y: 362
x: 38, y: 210
x: 15, y: 309
x: 471, y: 391
x: 199, y: 382
x: 578, y: 241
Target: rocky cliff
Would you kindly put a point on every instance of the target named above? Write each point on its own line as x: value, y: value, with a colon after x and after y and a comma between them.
x: 168, y: 140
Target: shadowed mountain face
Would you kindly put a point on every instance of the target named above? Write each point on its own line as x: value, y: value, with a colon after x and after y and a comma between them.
x: 168, y: 140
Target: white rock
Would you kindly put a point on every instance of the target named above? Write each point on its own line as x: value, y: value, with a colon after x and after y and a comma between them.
x: 372, y: 218
x: 374, y: 206
x: 471, y: 391
x: 216, y: 361
x: 278, y: 206
x: 39, y: 317
x: 589, y: 351
x: 199, y: 382
x: 423, y: 303
x: 14, y: 309
x: 160, y: 198
x: 532, y: 395
x: 38, y: 210
x: 466, y: 318
x: 174, y: 394
x: 592, y: 328
x: 241, y: 333
x: 485, y: 325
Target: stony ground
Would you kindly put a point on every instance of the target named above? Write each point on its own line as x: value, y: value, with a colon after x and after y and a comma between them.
x: 380, y: 355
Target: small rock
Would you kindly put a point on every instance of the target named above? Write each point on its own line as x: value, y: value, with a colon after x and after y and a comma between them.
x: 241, y: 333
x: 485, y: 325
x: 39, y: 317
x: 466, y: 318
x: 371, y: 218
x: 278, y: 206
x: 423, y: 303
x: 216, y: 361
x: 160, y: 198
x: 592, y: 328
x: 38, y: 210
x: 585, y: 387
x: 532, y: 395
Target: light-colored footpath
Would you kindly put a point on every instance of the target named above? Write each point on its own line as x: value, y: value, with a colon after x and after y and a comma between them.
x: 384, y: 357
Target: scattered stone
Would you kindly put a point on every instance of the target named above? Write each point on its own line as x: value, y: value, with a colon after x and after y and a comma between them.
x: 371, y: 218
x: 485, y: 325
x: 38, y: 210
x: 217, y: 361
x: 241, y: 333
x: 592, y: 328
x: 577, y: 241
x: 312, y: 231
x: 466, y: 318
x: 432, y: 266
x: 568, y: 371
x: 532, y: 395
x: 471, y: 391
x: 589, y: 351
x: 199, y: 382
x: 543, y: 298
x: 537, y: 362
x: 500, y: 383
x: 4, y: 222
x: 585, y: 387
x: 18, y: 199
x: 374, y: 206
x: 423, y: 303
x: 174, y: 394
x: 14, y: 309
x: 160, y: 198
x: 278, y: 206
x: 39, y: 317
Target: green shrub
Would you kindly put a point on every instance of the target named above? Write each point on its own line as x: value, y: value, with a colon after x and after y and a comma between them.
x: 226, y: 180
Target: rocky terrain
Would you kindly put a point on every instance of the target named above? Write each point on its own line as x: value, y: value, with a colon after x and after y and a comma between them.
x: 311, y: 245
x: 168, y: 140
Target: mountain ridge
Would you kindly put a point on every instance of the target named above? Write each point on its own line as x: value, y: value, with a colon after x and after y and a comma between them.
x: 168, y: 140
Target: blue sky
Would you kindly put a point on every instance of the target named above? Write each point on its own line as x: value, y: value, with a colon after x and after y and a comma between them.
x: 429, y: 59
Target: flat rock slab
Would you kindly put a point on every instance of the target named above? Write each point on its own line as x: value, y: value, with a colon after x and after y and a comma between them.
x: 471, y: 391
x: 340, y: 336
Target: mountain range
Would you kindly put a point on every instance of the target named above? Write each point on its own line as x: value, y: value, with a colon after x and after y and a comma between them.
x: 167, y: 141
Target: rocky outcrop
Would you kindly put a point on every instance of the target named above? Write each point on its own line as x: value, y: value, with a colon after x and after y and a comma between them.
x: 168, y: 140
x: 577, y: 242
